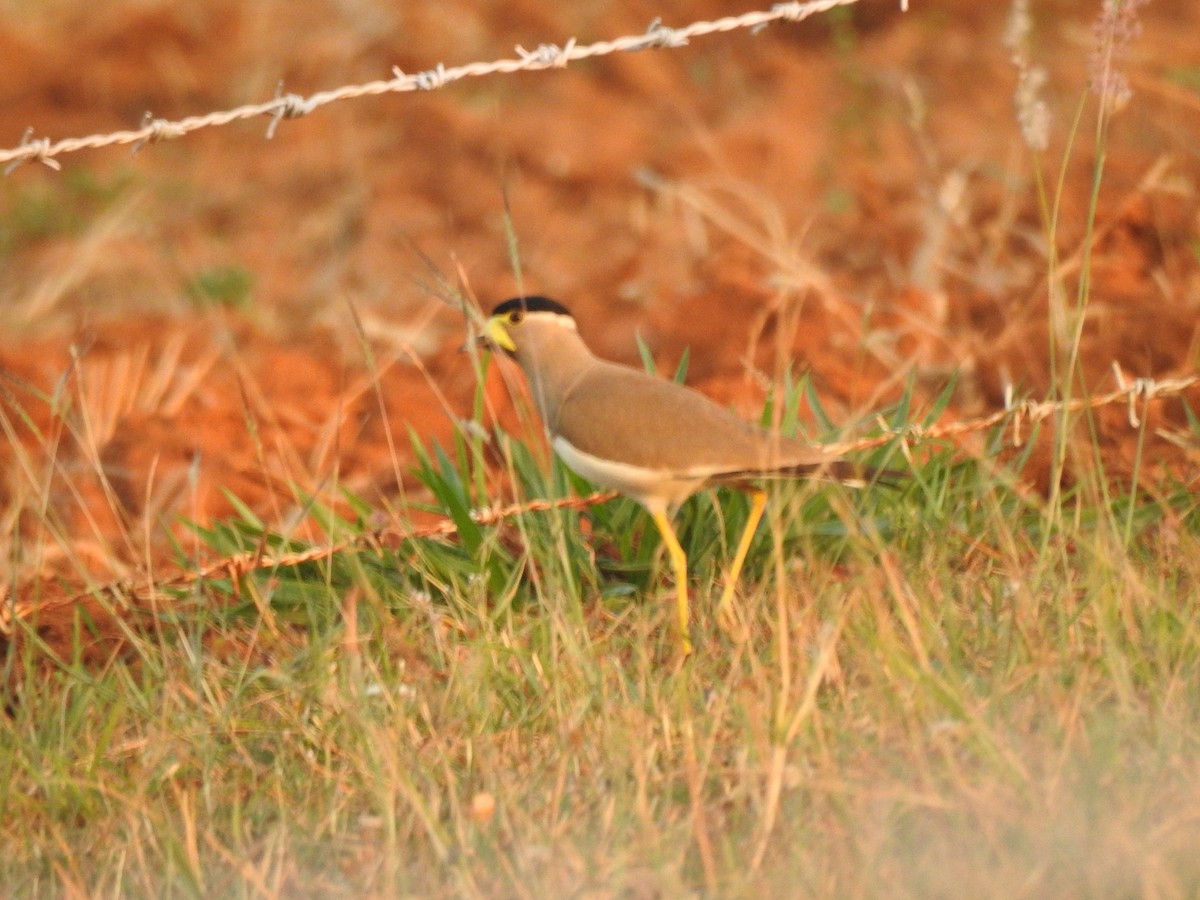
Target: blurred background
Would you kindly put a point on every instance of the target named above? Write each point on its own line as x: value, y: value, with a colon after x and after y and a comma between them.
x: 852, y: 197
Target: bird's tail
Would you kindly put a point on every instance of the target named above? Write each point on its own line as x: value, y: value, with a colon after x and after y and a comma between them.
x: 856, y: 474
x: 843, y: 471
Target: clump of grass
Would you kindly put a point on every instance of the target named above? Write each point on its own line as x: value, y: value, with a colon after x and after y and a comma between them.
x: 38, y: 210
x: 229, y: 286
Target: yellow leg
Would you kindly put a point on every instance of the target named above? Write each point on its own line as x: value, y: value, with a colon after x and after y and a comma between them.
x: 758, y: 501
x: 679, y: 564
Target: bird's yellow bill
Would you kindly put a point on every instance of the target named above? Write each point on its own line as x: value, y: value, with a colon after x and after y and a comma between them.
x: 497, y: 334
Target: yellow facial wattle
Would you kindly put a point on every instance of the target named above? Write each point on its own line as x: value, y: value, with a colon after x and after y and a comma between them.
x: 498, y: 334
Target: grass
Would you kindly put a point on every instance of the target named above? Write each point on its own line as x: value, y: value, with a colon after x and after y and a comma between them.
x: 230, y: 286
x: 38, y: 211
x: 945, y: 691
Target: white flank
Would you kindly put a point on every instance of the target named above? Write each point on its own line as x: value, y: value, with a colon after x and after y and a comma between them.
x: 644, y: 485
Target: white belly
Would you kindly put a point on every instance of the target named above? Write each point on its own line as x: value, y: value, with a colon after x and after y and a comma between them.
x: 651, y: 487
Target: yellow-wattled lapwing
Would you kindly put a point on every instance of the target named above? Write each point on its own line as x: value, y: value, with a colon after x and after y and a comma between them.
x: 651, y: 439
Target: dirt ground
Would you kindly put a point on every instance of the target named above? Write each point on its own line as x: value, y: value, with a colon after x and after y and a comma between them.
x: 226, y: 315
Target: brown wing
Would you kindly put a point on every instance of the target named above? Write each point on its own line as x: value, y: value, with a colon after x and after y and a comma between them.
x: 658, y: 424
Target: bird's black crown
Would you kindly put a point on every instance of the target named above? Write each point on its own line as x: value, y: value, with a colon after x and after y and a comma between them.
x: 535, y: 303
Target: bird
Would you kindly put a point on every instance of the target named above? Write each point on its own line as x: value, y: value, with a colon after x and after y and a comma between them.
x: 654, y: 440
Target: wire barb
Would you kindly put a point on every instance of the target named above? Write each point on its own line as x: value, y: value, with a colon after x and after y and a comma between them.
x: 155, y: 130
x: 546, y: 55
x: 33, y: 150
x: 792, y: 12
x: 287, y: 106
x: 432, y: 79
x: 659, y: 35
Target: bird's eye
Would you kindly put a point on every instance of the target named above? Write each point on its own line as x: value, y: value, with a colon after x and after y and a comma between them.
x: 514, y: 318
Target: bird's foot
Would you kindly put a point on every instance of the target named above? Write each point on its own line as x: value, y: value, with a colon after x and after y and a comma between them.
x: 731, y: 623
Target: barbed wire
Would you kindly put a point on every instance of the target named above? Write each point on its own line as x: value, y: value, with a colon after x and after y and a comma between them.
x: 1024, y: 413
x: 144, y: 588
x: 291, y: 106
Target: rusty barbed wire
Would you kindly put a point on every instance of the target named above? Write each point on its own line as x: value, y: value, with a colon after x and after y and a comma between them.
x: 291, y: 106
x: 143, y: 588
x: 1030, y: 412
